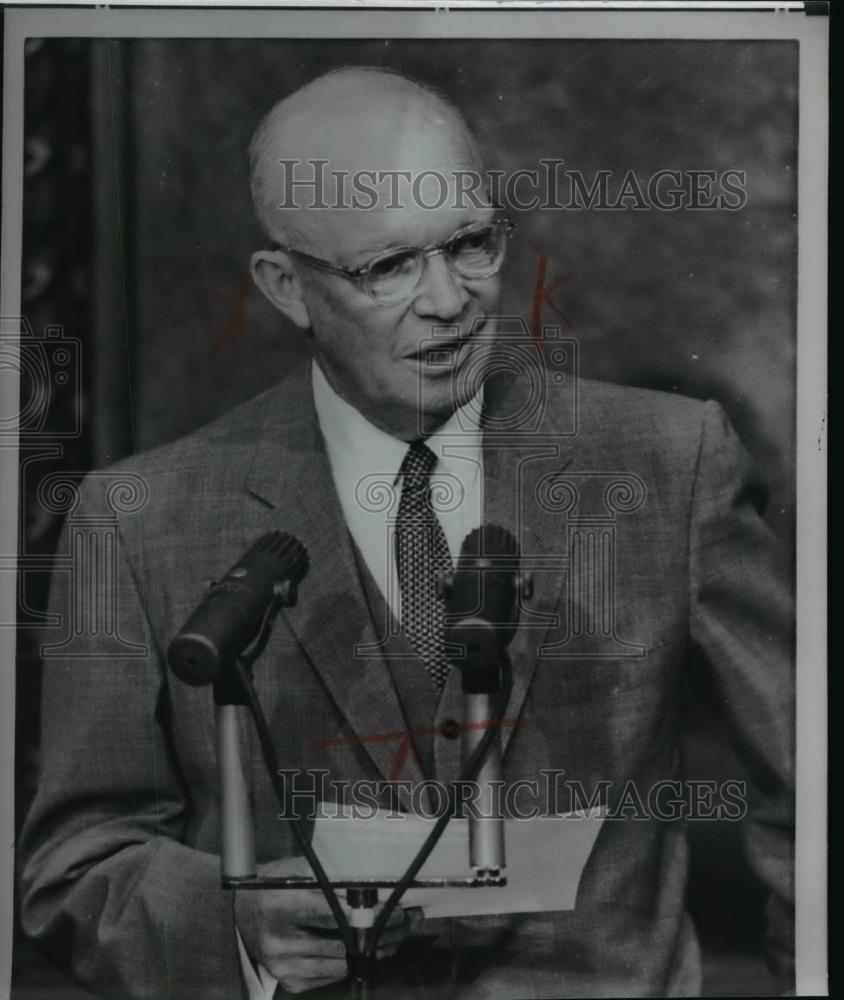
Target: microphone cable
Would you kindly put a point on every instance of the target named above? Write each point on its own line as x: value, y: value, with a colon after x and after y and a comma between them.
x: 285, y: 800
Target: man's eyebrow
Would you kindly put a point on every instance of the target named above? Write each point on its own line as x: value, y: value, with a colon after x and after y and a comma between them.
x: 394, y: 244
x: 376, y: 248
x: 364, y: 255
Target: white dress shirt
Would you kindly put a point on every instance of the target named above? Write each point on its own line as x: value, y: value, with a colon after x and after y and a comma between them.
x: 365, y: 464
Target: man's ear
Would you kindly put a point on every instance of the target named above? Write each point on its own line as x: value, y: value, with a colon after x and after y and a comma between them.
x: 274, y: 274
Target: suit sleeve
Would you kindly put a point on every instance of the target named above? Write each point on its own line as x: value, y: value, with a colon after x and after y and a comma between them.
x: 742, y: 620
x: 108, y: 886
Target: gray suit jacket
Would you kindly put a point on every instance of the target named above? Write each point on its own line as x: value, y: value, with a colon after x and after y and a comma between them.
x: 640, y: 525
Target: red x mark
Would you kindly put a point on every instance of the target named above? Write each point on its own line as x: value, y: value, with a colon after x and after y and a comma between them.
x: 405, y: 746
x: 236, y: 325
x: 541, y: 297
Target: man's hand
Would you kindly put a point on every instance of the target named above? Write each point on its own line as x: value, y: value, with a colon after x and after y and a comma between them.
x: 293, y: 934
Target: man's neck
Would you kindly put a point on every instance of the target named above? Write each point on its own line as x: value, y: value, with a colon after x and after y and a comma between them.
x: 400, y: 422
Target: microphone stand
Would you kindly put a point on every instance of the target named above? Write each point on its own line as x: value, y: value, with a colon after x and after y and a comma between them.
x: 231, y: 703
x: 232, y: 711
x: 236, y: 699
x: 486, y: 828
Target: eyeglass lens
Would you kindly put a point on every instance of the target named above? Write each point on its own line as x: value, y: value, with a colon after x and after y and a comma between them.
x: 475, y: 254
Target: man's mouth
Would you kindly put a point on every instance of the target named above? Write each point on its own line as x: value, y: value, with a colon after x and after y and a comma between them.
x: 442, y: 351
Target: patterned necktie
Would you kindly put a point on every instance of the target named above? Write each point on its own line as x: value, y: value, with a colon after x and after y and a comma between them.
x: 421, y: 554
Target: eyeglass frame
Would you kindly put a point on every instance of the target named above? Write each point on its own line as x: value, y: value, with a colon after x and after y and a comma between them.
x: 357, y: 274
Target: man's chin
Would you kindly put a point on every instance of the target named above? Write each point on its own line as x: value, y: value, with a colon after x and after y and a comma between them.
x: 440, y: 400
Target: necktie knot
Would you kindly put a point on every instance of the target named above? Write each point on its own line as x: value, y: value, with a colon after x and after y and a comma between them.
x: 417, y: 466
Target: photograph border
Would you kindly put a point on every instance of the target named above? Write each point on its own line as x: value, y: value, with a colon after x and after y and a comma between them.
x: 490, y: 21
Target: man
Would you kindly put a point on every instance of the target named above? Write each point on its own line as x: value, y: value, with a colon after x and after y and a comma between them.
x: 121, y: 868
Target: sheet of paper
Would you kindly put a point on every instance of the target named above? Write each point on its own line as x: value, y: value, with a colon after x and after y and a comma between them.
x: 545, y: 859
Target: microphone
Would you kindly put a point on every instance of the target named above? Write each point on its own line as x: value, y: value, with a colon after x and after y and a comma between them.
x: 481, y: 611
x: 230, y: 616
x: 481, y: 614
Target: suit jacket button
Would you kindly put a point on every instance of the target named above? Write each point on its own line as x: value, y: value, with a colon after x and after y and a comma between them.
x: 450, y: 729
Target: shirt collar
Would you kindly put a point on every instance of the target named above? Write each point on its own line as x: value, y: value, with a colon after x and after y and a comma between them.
x: 356, y: 445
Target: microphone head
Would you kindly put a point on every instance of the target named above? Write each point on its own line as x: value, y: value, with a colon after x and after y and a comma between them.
x: 289, y: 554
x: 484, y: 584
x: 481, y: 607
x: 489, y: 541
x: 230, y: 616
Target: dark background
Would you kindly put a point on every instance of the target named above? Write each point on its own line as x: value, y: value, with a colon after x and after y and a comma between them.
x: 138, y: 230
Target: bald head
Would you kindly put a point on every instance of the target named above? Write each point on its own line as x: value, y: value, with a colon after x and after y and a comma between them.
x: 360, y: 121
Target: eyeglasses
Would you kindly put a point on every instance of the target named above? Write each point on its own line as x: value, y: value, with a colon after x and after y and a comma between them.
x: 474, y: 252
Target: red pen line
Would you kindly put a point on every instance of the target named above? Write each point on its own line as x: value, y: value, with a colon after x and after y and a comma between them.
x: 343, y: 741
x: 406, y: 746
x: 542, y: 297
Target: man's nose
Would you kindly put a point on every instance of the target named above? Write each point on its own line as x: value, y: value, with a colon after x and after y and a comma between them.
x: 441, y: 293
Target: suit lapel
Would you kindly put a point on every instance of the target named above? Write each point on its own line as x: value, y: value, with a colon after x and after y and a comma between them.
x: 292, y: 490
x: 519, y: 494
